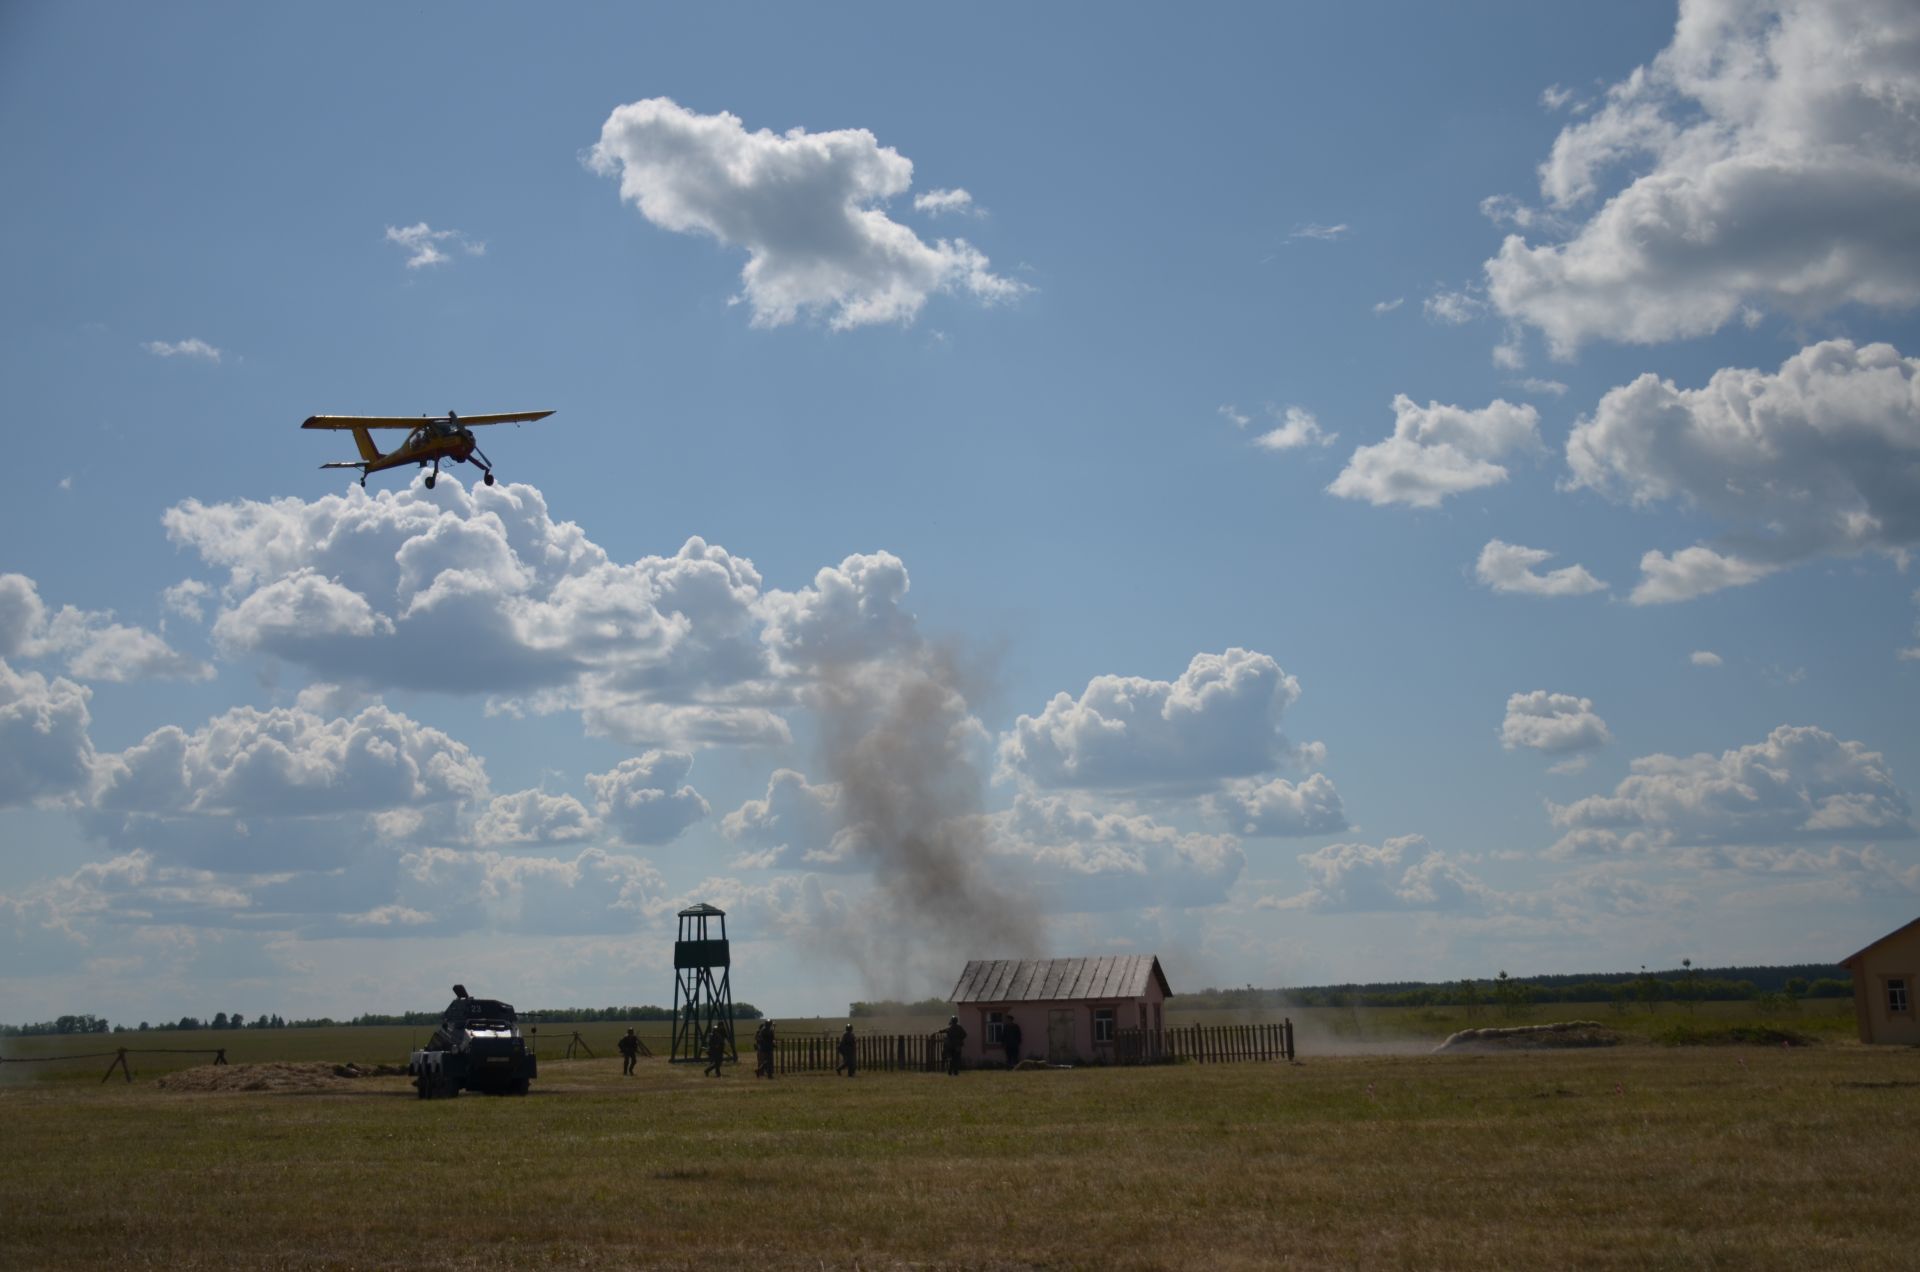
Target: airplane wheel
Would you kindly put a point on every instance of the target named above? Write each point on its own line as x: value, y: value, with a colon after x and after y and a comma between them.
x: 489, y: 479
x: 429, y: 481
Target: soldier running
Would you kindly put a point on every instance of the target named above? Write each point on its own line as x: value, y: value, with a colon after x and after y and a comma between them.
x: 716, y: 1051
x: 629, y: 1052
x: 956, y: 1036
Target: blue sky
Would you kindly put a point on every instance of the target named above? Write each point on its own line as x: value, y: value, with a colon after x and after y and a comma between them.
x: 1317, y: 495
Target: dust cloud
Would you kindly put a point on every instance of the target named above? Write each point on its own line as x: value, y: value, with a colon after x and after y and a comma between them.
x: 899, y: 739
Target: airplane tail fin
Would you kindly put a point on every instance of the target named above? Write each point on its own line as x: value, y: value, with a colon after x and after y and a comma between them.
x: 364, y: 440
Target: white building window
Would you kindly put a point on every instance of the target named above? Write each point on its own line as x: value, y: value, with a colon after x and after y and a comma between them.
x: 1103, y: 1022
x: 995, y: 1020
x: 1899, y: 1002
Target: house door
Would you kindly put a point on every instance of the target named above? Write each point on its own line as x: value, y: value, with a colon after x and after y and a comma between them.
x: 1060, y: 1048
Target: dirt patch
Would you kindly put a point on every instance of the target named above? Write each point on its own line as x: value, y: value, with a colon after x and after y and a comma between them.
x: 309, y: 1076
x: 1564, y: 1033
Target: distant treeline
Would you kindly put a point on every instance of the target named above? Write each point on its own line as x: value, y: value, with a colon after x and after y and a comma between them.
x: 62, y: 1025
x: 1700, y: 984
x: 894, y: 1007
x: 238, y: 1020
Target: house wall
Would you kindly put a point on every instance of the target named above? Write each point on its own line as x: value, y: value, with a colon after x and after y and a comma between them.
x: 1035, y: 1017
x: 1897, y: 956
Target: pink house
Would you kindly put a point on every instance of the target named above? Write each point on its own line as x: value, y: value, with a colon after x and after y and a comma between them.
x: 1068, y: 1009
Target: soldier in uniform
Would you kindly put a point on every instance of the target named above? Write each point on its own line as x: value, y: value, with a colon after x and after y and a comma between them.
x: 763, y: 1050
x: 848, y: 1050
x: 1010, y: 1039
x: 716, y: 1051
x: 629, y: 1052
x: 956, y: 1036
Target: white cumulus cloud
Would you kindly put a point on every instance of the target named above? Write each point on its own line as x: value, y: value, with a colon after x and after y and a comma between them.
x: 45, y: 750
x: 1556, y: 723
x: 370, y: 591
x: 1800, y: 785
x: 1436, y: 451
x: 646, y: 799
x: 808, y: 209
x: 1360, y: 878
x: 1297, y: 428
x: 1219, y: 720
x: 93, y: 646
x: 1768, y: 158
x: 1819, y: 458
x: 1508, y: 567
x: 1277, y: 807
x: 192, y: 347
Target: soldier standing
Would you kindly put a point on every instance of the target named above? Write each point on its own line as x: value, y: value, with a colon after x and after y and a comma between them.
x: 629, y: 1052
x: 763, y: 1050
x: 955, y: 1037
x: 716, y: 1051
x: 1010, y: 1039
x: 848, y: 1050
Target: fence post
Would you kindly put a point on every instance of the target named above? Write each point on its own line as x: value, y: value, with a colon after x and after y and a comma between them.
x: 1286, y: 1030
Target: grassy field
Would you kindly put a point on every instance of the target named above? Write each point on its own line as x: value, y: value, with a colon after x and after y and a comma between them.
x: 1629, y: 1157
x: 1321, y: 1031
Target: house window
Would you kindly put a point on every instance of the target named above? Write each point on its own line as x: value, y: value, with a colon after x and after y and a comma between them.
x: 1103, y: 1024
x: 995, y: 1020
x: 1899, y: 1003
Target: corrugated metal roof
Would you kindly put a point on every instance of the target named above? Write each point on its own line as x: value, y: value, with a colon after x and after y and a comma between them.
x: 1032, y: 980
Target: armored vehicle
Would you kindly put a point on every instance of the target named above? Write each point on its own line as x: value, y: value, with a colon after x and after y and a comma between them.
x: 477, y: 1047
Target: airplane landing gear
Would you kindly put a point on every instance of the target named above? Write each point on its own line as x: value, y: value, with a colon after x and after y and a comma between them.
x: 434, y: 475
x: 489, y: 477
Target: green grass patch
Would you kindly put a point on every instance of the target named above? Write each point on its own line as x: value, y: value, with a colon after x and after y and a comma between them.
x: 1691, y: 1033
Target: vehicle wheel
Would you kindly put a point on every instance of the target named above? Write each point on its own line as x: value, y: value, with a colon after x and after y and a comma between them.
x: 424, y: 1085
x: 489, y: 479
x: 429, y: 481
x: 519, y: 1087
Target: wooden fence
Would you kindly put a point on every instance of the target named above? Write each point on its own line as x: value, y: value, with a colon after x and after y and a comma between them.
x: 887, y: 1053
x: 1204, y: 1044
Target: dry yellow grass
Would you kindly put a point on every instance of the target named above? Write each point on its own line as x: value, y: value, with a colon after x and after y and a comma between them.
x: 1629, y: 1157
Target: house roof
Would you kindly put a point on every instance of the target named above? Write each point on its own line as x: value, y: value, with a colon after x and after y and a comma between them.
x: 1026, y: 980
x: 1848, y: 960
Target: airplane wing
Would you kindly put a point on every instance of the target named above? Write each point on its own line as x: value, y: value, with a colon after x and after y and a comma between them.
x: 344, y: 464
x: 509, y: 417
x: 364, y: 421
x: 415, y: 421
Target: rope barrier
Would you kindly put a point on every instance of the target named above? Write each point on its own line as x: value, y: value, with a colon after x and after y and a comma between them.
x: 132, y: 1051
x: 120, y: 1055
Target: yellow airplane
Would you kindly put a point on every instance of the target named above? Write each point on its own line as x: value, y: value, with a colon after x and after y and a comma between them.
x: 434, y: 438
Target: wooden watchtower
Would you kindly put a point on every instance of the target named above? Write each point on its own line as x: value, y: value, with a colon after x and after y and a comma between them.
x: 702, y: 984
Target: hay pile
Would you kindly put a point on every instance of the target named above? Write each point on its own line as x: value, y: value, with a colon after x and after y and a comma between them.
x: 278, y: 1076
x: 1564, y: 1033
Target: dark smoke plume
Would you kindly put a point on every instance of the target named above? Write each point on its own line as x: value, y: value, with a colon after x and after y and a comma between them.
x: 897, y: 736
